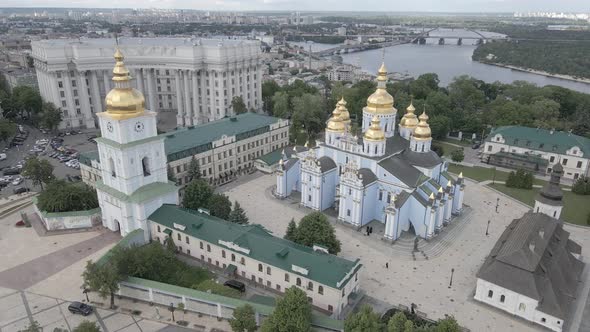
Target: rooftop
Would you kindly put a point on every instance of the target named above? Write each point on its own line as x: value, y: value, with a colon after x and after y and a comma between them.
x: 157, y: 41
x: 326, y: 269
x: 541, y: 139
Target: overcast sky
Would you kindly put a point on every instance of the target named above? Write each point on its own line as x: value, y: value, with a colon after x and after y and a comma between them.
x: 323, y: 5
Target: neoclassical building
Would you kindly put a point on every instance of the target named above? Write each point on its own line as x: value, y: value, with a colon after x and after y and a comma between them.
x: 195, y: 78
x: 389, y: 174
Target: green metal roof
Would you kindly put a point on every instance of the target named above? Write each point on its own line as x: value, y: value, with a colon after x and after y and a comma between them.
x: 541, y: 139
x: 272, y: 157
x: 323, y: 268
x: 189, y: 141
x: 143, y: 194
x: 87, y: 157
x: 523, y: 157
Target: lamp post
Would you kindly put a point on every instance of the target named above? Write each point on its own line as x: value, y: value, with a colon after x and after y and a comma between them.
x: 497, y: 204
x: 488, y: 228
x: 451, y: 282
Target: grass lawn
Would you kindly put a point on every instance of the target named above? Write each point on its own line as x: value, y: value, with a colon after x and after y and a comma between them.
x: 479, y: 173
x: 447, y: 148
x: 454, y: 141
x: 576, y: 207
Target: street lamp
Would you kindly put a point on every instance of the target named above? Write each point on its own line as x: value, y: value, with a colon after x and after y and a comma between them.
x: 488, y: 228
x: 497, y: 203
x: 451, y: 282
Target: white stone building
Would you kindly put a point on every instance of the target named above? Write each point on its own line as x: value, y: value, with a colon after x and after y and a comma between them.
x: 516, y: 142
x: 195, y: 78
x: 534, y: 269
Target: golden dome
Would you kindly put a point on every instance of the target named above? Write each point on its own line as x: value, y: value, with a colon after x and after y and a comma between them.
x: 335, y: 124
x: 344, y: 114
x: 380, y: 102
x: 123, y: 102
x: 409, y: 120
x: 422, y: 131
x: 375, y: 133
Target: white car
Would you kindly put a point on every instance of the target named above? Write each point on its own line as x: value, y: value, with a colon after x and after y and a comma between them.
x: 6, y: 178
x: 17, y: 181
x: 2, y: 156
x: 42, y: 141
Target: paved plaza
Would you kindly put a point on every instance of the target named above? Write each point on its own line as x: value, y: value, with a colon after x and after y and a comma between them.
x: 421, y: 281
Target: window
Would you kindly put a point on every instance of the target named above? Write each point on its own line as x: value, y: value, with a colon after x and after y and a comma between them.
x: 268, y: 270
x: 298, y: 281
x: 208, y: 248
x: 260, y: 280
x: 188, y: 251
x: 243, y: 261
x: 490, y: 293
x: 158, y: 229
x: 310, y: 286
x: 489, y: 148
x: 112, y: 166
x: 145, y: 165
x: 321, y: 290
x: 233, y: 257
x: 186, y: 240
x: 278, y: 287
x: 380, y: 195
x: 201, y: 245
x: 579, y: 164
x: 543, y: 320
x: 179, y: 236
x: 223, y: 253
x: 552, y: 159
x: 348, y: 212
x: 522, y: 307
x: 268, y: 284
x: 62, y: 94
x: 260, y: 268
x: 330, y: 308
x: 287, y: 277
x: 564, y: 162
x: 502, y: 298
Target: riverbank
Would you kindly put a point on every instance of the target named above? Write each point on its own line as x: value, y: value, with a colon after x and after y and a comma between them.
x: 537, y: 72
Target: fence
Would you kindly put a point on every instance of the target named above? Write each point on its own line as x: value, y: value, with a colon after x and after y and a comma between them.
x: 68, y: 220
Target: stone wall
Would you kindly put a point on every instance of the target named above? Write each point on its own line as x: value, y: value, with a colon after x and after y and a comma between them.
x: 68, y: 220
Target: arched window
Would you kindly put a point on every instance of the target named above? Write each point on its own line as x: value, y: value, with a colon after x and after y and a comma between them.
x: 321, y: 290
x: 385, y: 127
x: 522, y: 307
x: 310, y: 285
x: 287, y: 277
x: 159, y: 229
x: 554, y: 213
x: 223, y: 253
x: 208, y: 248
x: 259, y: 267
x: 375, y: 149
x: 422, y: 147
x: 298, y: 281
x: 243, y: 261
x: 112, y: 168
x: 502, y: 298
x: 145, y: 164
x: 268, y: 270
x: 490, y: 293
x: 233, y: 257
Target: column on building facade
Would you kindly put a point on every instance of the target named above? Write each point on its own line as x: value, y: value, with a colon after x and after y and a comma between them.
x: 151, y: 82
x: 106, y: 81
x: 55, y: 89
x: 96, y: 99
x: 188, y: 118
x: 71, y: 106
x: 179, y: 104
x: 204, y: 102
x: 391, y: 220
x: 85, y: 101
x: 448, y: 207
x: 139, y: 79
x: 195, y: 113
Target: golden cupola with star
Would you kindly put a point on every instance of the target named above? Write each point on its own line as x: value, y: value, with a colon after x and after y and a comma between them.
x: 344, y: 114
x: 374, y: 139
x: 422, y: 130
x: 123, y: 101
x: 408, y: 122
x: 380, y: 102
x: 374, y: 133
x: 335, y: 123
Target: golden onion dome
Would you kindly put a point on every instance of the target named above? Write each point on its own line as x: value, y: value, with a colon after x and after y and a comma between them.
x: 409, y: 120
x: 123, y: 101
x: 375, y: 133
x: 422, y: 131
x: 335, y: 123
x: 381, y: 102
x: 341, y: 102
x: 344, y: 114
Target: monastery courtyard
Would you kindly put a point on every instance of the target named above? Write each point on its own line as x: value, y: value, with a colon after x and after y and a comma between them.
x: 425, y: 282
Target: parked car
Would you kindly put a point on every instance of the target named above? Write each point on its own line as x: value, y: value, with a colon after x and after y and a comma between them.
x: 476, y: 146
x: 20, y: 190
x: 2, y: 156
x: 18, y: 180
x: 11, y: 171
x: 80, y: 308
x: 235, y: 285
x: 42, y: 141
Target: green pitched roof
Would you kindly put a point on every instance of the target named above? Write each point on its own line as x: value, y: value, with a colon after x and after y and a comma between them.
x: 272, y: 157
x: 541, y: 139
x: 323, y: 268
x: 143, y: 194
x: 186, y: 142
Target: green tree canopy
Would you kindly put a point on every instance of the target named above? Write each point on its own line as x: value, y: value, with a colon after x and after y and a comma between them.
x: 7, y: 129
x: 292, y: 313
x: 238, y: 105
x: 51, y: 116
x: 219, y: 206
x: 86, y: 326
x: 194, y: 170
x: 291, y: 230
x: 62, y: 196
x: 309, y: 114
x: 102, y: 278
x: 281, y: 107
x: 457, y: 155
x: 197, y: 195
x: 244, y: 319
x: 238, y: 215
x: 315, y: 228
x: 365, y: 320
x: 39, y: 171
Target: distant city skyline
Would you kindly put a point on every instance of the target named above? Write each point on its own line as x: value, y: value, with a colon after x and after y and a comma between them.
x: 473, y: 6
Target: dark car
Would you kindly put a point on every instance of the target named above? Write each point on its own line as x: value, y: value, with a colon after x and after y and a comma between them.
x: 21, y: 190
x: 80, y: 308
x: 11, y: 171
x: 235, y: 285
x: 476, y: 146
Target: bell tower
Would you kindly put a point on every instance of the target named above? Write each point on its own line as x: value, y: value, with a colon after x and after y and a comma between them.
x: 550, y: 199
x: 132, y: 158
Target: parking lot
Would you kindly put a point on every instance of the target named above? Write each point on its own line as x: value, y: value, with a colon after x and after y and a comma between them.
x: 72, y: 145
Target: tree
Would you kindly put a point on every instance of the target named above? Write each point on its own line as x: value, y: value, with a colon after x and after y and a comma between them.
x: 197, y: 195
x: 397, y: 322
x: 28, y: 100
x: 291, y: 230
x: 86, y: 326
x: 244, y: 319
x: 457, y: 156
x: 219, y: 206
x: 292, y: 313
x: 365, y: 320
x: 238, y: 215
x: 281, y: 107
x: 448, y: 324
x: 194, y: 170
x: 581, y: 186
x: 309, y: 114
x: 39, y: 171
x: 169, y: 244
x: 7, y: 129
x: 269, y: 88
x: 33, y: 327
x: 102, y: 278
x: 51, y: 116
x: 238, y: 105
x: 62, y: 196
x: 316, y: 229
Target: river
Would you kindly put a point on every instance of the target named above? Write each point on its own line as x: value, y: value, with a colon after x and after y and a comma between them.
x: 447, y: 61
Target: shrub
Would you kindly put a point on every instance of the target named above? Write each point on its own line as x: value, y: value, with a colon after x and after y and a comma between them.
x: 581, y: 186
x: 438, y: 149
x: 457, y: 155
x: 62, y: 196
x: 520, y: 179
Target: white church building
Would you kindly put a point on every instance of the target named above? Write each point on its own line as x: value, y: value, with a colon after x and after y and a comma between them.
x: 389, y: 174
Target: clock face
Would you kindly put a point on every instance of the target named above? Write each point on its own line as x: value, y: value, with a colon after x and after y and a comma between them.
x: 139, y: 126
x: 110, y: 127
